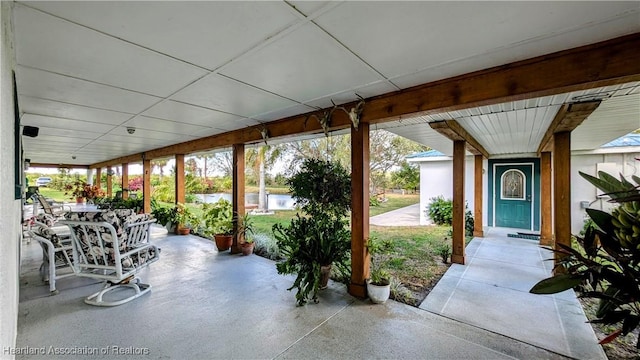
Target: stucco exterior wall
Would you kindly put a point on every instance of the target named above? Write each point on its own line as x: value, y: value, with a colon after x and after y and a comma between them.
x: 581, y: 190
x: 10, y: 236
x: 436, y: 178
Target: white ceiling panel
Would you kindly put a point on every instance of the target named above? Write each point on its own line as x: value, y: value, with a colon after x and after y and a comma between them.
x: 421, y: 133
x: 55, y: 109
x: 45, y: 85
x: 52, y: 122
x: 381, y: 87
x: 309, y: 7
x: 96, y: 56
x: 307, y: 56
x: 190, y: 114
x: 285, y: 112
x: 615, y: 117
x: 220, y: 93
x: 143, y: 123
x: 178, y: 71
x: 237, y: 124
x: 206, y: 33
x: 435, y: 33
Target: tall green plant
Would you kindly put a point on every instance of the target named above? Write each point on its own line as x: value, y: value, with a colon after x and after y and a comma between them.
x: 606, y: 265
x: 321, y: 236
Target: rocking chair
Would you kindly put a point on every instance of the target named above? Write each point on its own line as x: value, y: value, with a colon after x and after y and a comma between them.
x: 113, y: 246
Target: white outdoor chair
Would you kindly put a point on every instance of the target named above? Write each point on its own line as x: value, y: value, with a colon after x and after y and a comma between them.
x: 112, y: 246
x: 57, y: 250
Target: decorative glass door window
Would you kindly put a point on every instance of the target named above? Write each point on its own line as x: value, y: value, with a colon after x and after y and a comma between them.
x: 513, y: 185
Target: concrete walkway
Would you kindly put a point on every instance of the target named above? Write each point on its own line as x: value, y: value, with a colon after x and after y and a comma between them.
x: 491, y: 292
x: 406, y: 216
x: 210, y: 305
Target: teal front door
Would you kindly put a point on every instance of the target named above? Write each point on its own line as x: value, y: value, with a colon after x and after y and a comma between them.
x: 512, y: 195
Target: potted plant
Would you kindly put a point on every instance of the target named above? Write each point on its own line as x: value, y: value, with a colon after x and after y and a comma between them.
x: 164, y: 215
x: 312, y: 242
x: 218, y: 220
x: 184, y: 219
x: 379, y: 282
x: 80, y: 190
x: 245, y: 232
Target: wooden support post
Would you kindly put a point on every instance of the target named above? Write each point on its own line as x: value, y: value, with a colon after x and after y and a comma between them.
x: 238, y: 193
x: 477, y: 197
x: 98, y: 178
x: 109, y: 181
x: 180, y: 190
x: 360, y: 257
x: 562, y: 186
x: 457, y: 255
x: 146, y: 185
x: 125, y: 181
x: 546, y: 219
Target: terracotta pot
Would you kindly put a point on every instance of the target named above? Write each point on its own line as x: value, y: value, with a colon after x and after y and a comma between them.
x: 180, y: 230
x: 223, y: 242
x: 247, y: 248
x: 325, y: 273
x: 79, y: 200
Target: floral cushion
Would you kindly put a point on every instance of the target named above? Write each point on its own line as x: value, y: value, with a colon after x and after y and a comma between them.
x: 120, y: 220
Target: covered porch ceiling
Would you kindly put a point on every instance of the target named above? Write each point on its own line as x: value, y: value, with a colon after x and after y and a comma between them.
x: 182, y: 71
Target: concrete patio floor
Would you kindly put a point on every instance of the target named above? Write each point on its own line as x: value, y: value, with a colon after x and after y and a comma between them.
x: 492, y: 292
x: 205, y: 305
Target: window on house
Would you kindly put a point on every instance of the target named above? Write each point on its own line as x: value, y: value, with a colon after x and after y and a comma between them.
x: 513, y: 185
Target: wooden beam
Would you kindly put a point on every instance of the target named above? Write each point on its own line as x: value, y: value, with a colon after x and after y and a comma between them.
x: 457, y: 255
x: 125, y: 181
x: 568, y: 117
x: 455, y: 132
x: 58, y: 166
x: 562, y: 191
x: 478, y: 230
x: 109, y: 182
x: 98, y: 181
x: 546, y: 219
x: 606, y: 63
x: 180, y: 189
x: 146, y: 185
x: 360, y: 258
x: 237, y: 196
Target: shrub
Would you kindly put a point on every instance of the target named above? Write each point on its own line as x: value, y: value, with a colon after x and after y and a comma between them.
x: 266, y: 246
x: 441, y: 212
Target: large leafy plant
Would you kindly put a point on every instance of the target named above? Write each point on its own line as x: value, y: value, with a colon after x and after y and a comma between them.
x: 320, y: 236
x: 218, y: 218
x: 606, y: 265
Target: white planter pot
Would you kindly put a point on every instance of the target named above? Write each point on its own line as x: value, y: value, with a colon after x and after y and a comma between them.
x: 378, y: 293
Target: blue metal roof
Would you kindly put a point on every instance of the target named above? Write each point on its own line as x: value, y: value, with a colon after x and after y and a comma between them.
x: 430, y: 153
x: 627, y: 140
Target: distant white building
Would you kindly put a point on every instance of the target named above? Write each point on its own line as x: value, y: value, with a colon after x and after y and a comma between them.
x: 520, y: 179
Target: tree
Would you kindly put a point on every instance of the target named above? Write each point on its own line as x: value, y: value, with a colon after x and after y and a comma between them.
x: 407, y: 178
x: 387, y: 151
x: 160, y: 164
x: 332, y: 148
x: 262, y: 159
x: 223, y: 161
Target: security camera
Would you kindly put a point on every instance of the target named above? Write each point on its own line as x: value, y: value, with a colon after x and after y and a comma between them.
x: 73, y: 157
x: 131, y: 130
